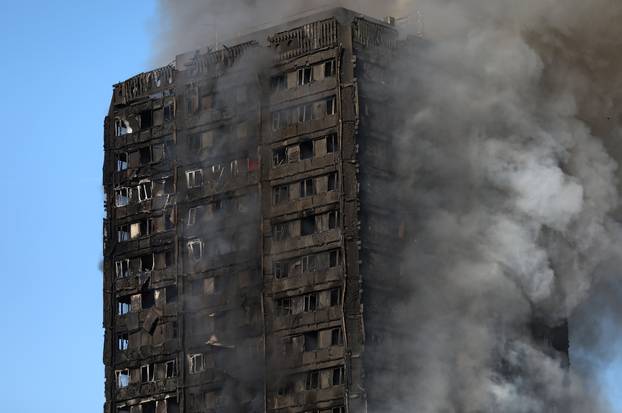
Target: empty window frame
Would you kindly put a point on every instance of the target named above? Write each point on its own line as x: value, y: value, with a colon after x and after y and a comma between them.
x: 169, y: 111
x: 305, y: 75
x: 337, y: 376
x: 309, y: 263
x: 330, y: 68
x: 335, y: 297
x: 284, y: 306
x: 310, y: 302
x: 331, y: 105
x: 147, y: 299
x: 333, y: 219
x: 147, y: 373
x: 145, y: 191
x: 170, y: 369
x: 306, y: 149
x: 281, y: 269
x: 279, y: 156
x: 124, y: 305
x: 149, y: 407
x: 123, y: 233
x: 281, y: 231
x: 195, y: 249
x: 307, y: 188
x: 280, y: 194
x: 122, y: 268
x: 196, y: 363
x: 122, y: 342
x: 192, y: 215
x: 121, y: 127
x: 332, y: 181
x: 336, y: 337
x: 307, y: 225
x: 234, y: 167
x: 122, y: 196
x: 122, y: 161
x: 311, y: 340
x: 146, y: 119
x: 340, y: 409
x: 332, y: 145
x: 123, y: 378
x: 313, y: 380
x: 194, y: 178
x: 333, y: 259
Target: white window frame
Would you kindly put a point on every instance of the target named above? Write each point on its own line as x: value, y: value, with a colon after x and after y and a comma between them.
x: 192, y: 178
x: 150, y: 373
x: 192, y: 216
x: 194, y: 367
x: 123, y: 383
x: 192, y: 244
x: 145, y: 191
x: 122, y: 196
x: 119, y: 268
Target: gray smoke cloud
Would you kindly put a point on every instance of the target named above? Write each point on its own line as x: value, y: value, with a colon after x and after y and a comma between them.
x: 506, y: 155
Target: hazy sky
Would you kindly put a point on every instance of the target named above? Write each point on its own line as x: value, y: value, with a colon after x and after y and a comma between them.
x: 60, y: 60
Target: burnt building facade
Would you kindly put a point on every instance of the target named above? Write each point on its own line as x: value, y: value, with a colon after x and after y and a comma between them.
x: 242, y: 222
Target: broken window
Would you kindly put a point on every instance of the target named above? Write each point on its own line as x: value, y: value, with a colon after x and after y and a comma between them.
x: 146, y: 119
x: 280, y: 194
x: 283, y: 306
x: 333, y: 219
x: 279, y: 82
x: 306, y: 149
x: 311, y: 301
x: 313, y: 380
x: 158, y: 153
x: 192, y: 216
x: 192, y: 99
x: 337, y: 378
x: 281, y: 231
x: 336, y: 339
x: 333, y: 259
x: 276, y: 120
x: 123, y: 233
x: 122, y: 268
x: 331, y: 105
x: 169, y: 112
x: 194, y: 178
x: 147, y: 299
x: 122, y: 196
x: 195, y: 249
x: 330, y: 68
x: 171, y: 369
x: 235, y: 168
x: 122, y: 161
x: 146, y: 263
x: 124, y: 305
x: 305, y: 76
x: 311, y: 341
x: 171, y: 294
x: 196, y: 363
x: 145, y: 155
x: 123, y: 342
x: 145, y: 191
x: 285, y: 388
x: 307, y: 225
x: 149, y: 407
x: 207, y: 101
x: 338, y: 410
x: 123, y: 378
x: 309, y: 263
x: 124, y: 409
x: 332, y: 181
x: 122, y: 127
x: 335, y: 297
x: 194, y: 142
x: 305, y: 113
x: 279, y: 156
x: 306, y: 188
x: 147, y: 373
x: 281, y: 269
x: 331, y: 143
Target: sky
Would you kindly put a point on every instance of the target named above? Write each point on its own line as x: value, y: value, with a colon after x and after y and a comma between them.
x: 60, y: 60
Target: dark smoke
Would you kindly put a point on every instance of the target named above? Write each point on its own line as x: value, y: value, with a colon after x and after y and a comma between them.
x: 507, y: 156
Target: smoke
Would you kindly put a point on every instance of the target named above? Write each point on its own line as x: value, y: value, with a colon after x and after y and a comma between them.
x: 505, y: 156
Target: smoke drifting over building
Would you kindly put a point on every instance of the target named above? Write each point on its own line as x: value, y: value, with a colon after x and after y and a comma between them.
x: 374, y: 219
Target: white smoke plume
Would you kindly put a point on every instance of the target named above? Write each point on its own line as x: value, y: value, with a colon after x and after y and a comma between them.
x: 506, y: 155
